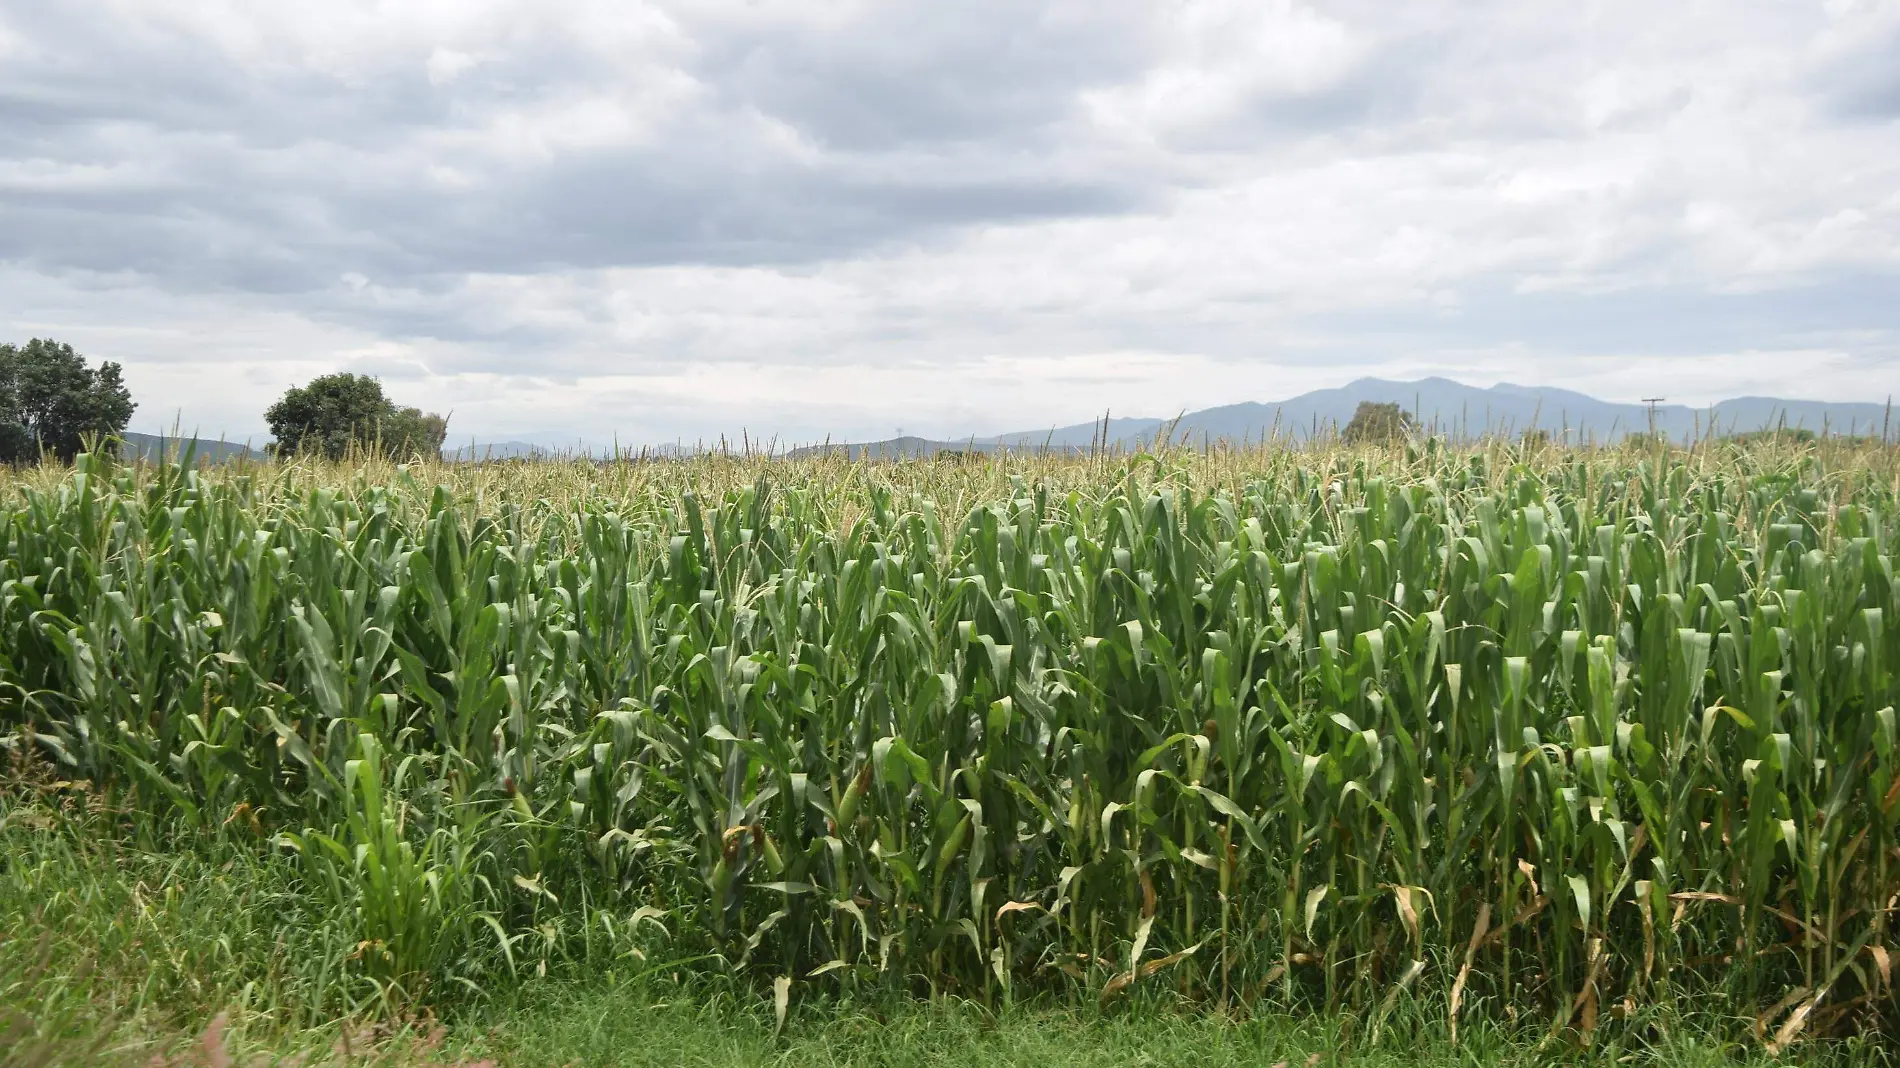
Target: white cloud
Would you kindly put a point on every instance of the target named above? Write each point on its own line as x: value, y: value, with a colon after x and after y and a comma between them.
x: 1221, y: 57
x: 446, y: 64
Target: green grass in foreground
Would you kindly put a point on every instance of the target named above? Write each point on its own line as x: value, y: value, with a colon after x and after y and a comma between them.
x: 114, y: 951
x: 565, y: 1024
x: 594, y: 1026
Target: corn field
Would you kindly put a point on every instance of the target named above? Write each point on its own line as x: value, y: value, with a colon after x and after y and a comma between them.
x: 1508, y: 728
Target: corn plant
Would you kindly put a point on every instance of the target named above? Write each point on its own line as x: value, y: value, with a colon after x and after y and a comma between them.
x: 1559, y: 731
x: 410, y: 905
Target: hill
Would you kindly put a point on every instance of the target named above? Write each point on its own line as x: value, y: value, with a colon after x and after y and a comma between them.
x: 155, y: 446
x: 1447, y: 407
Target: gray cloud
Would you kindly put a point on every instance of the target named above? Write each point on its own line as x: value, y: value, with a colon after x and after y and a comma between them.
x: 909, y: 76
x: 185, y: 163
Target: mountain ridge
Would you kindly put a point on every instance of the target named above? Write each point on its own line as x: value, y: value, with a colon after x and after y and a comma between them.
x: 167, y: 446
x: 1440, y: 404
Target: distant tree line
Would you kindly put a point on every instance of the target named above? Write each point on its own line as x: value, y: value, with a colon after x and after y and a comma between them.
x: 53, y: 403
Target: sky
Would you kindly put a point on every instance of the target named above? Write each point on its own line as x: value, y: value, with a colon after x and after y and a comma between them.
x: 654, y: 221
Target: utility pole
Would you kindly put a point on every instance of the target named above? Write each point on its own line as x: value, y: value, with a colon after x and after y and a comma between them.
x: 1652, y: 402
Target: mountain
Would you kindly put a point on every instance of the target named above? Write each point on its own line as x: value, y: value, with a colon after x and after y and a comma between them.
x: 1440, y: 404
x: 579, y: 450
x: 157, y: 446
x: 1077, y: 438
x: 501, y: 450
x: 907, y: 447
x: 1462, y: 411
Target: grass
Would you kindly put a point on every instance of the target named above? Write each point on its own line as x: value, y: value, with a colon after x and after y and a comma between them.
x: 115, y: 949
x: 595, y: 1027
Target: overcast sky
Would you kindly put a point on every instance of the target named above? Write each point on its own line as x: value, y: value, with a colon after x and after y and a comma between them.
x: 676, y: 220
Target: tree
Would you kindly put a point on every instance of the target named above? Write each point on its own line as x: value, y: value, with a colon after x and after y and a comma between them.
x: 50, y: 400
x: 1798, y: 435
x: 335, y: 412
x: 1373, y: 422
x: 412, y: 433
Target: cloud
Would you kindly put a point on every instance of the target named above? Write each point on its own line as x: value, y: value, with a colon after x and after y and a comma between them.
x: 667, y: 219
x: 1851, y: 63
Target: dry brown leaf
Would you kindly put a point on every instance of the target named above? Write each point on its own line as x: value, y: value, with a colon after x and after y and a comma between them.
x: 1586, y: 1000
x: 1408, y: 910
x: 1471, y: 949
x: 1015, y: 906
x: 1796, y: 1020
x: 1644, y: 908
x: 1523, y: 914
x: 1779, y: 1007
x: 1126, y: 979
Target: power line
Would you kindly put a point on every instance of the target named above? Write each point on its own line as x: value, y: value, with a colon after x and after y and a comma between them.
x: 1652, y: 402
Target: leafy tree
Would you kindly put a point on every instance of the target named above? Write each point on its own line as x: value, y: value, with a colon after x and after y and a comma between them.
x: 1374, y: 422
x: 51, y: 400
x: 335, y: 412
x: 1798, y: 435
x: 16, y: 443
x: 415, y: 432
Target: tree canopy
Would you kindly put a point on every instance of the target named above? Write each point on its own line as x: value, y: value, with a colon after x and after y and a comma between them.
x: 336, y: 412
x: 1374, y: 422
x: 50, y: 400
